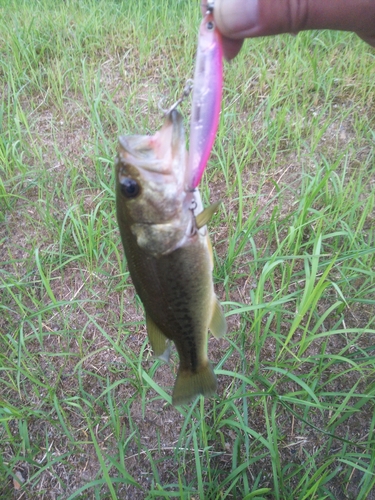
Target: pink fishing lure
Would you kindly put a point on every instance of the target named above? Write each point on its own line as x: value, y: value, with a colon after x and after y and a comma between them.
x: 207, y: 92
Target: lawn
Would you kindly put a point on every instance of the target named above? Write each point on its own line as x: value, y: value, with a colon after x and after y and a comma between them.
x: 85, y: 409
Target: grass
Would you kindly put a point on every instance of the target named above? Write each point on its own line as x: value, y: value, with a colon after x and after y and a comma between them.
x: 85, y: 411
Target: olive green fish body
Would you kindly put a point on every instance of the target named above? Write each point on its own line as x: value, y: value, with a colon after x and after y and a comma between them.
x: 168, y: 253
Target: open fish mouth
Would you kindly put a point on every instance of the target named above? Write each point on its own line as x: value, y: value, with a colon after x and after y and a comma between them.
x: 155, y: 153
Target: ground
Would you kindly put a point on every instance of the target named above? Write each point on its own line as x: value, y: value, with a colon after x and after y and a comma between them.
x: 85, y: 408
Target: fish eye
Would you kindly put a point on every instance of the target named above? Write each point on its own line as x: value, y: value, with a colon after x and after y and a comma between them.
x: 129, y: 187
x: 210, y: 25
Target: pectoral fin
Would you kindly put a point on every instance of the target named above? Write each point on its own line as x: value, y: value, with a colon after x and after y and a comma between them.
x: 218, y: 324
x: 159, y: 342
x: 207, y: 214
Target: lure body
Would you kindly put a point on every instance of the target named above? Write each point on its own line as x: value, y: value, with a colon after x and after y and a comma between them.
x: 207, y: 93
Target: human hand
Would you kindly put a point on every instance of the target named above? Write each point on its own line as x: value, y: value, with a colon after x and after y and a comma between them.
x: 240, y: 19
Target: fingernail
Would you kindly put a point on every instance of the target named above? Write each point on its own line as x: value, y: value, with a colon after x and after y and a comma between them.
x: 235, y: 17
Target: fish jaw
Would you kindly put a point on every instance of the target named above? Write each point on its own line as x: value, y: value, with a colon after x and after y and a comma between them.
x: 157, y: 162
x: 157, y: 210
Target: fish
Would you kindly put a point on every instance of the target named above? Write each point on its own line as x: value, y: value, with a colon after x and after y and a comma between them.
x: 207, y: 96
x: 169, y: 255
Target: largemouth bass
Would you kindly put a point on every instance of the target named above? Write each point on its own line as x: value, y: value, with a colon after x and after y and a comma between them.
x: 163, y: 231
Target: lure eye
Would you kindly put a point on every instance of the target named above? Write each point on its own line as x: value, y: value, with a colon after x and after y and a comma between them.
x: 129, y: 187
x: 210, y: 25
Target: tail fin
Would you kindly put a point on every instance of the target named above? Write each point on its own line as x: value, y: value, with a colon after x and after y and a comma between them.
x: 189, y: 385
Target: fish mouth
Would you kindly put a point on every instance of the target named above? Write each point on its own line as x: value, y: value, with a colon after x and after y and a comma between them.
x: 156, y: 152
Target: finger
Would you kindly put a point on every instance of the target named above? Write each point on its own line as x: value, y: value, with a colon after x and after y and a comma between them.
x: 240, y: 19
x: 231, y: 47
x: 369, y: 39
